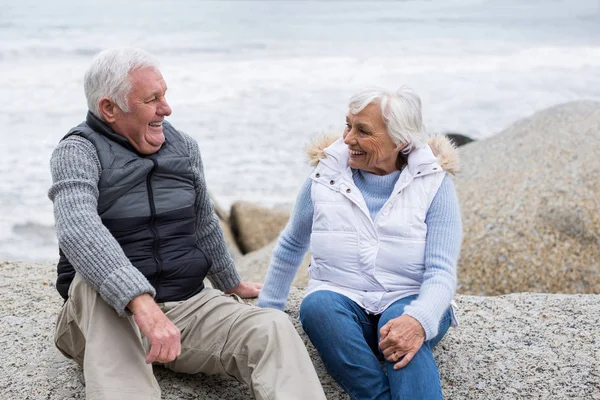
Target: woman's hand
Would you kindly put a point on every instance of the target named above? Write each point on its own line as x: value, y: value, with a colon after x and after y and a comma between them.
x: 401, y: 337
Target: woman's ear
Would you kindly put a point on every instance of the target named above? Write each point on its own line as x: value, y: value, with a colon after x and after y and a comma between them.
x: 401, y: 146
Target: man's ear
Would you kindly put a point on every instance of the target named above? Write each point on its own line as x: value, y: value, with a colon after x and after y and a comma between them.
x: 108, y: 109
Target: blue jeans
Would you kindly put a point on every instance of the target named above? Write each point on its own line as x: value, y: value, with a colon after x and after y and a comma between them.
x: 347, y: 339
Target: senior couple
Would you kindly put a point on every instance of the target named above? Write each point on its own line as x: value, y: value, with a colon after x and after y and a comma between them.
x: 138, y: 235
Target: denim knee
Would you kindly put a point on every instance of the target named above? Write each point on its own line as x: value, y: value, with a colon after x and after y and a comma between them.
x: 312, y: 308
x: 319, y: 307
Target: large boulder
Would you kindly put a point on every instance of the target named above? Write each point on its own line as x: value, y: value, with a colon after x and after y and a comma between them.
x: 514, y: 347
x: 223, y: 216
x: 458, y: 138
x: 255, y: 226
x: 253, y: 266
x: 529, y: 199
x: 232, y: 245
x: 220, y: 211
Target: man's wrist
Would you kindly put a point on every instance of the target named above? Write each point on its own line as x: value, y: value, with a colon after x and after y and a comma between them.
x: 140, y: 303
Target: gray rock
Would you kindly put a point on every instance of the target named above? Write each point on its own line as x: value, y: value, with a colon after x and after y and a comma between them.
x: 232, y: 246
x: 223, y: 216
x: 529, y: 199
x: 220, y: 211
x: 254, y: 266
x: 255, y: 226
x: 519, y: 346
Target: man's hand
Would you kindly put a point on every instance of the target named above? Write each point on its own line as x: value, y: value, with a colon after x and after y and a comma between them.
x: 401, y: 337
x: 246, y: 290
x: 163, y: 335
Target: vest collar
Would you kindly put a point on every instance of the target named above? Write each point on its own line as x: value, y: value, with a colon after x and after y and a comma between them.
x: 422, y: 162
x: 102, y: 128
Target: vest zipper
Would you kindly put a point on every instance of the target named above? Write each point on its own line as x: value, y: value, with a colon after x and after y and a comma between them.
x: 155, y: 245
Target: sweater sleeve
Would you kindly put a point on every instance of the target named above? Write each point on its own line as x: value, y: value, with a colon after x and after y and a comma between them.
x: 85, y: 241
x: 293, y: 242
x: 442, y: 246
x: 209, y: 234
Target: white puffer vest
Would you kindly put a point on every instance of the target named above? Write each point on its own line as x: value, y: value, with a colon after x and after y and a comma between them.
x: 372, y: 262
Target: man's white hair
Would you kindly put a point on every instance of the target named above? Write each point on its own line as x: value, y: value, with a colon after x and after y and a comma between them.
x: 108, y: 76
x: 401, y: 111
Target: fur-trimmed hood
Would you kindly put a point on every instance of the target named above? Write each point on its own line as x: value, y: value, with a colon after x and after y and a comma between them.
x: 442, y: 147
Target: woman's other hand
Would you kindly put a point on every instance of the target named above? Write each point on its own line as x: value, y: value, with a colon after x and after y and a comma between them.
x: 401, y: 337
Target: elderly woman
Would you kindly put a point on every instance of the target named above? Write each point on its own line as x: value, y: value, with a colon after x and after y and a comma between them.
x: 383, y: 223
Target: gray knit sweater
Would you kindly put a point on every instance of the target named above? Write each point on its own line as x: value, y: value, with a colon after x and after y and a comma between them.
x: 91, y: 248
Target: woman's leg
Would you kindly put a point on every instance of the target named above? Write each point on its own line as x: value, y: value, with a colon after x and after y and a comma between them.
x: 420, y: 379
x: 345, y: 336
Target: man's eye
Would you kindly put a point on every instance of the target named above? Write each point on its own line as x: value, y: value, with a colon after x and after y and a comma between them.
x: 152, y: 99
x: 348, y: 126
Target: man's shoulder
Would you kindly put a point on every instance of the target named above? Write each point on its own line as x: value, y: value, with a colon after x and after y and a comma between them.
x: 185, y: 138
x: 74, y: 146
x: 73, y: 140
x: 177, y: 133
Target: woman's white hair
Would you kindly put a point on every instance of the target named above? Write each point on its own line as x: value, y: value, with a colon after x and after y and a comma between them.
x: 108, y: 76
x: 401, y: 111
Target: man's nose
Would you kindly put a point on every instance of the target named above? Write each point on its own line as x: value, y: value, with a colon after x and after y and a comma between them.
x: 164, y: 108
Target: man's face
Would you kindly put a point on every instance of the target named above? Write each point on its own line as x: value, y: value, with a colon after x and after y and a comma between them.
x: 142, y: 125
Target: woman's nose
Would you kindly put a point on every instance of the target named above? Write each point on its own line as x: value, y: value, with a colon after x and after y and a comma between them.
x: 349, y: 137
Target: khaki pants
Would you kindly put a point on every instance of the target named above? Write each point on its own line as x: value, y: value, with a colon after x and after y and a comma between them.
x: 219, y: 335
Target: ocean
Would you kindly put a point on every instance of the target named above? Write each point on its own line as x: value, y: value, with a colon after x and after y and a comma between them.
x: 253, y: 81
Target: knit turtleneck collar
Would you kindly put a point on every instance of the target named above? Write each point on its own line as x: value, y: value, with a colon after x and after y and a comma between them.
x: 375, y: 189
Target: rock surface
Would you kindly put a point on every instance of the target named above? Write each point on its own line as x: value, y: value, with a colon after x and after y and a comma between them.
x: 254, y: 266
x: 530, y: 205
x: 255, y: 226
x: 520, y: 346
x: 232, y: 245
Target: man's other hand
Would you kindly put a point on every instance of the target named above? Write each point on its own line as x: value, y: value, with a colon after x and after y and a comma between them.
x: 163, y: 335
x: 246, y: 290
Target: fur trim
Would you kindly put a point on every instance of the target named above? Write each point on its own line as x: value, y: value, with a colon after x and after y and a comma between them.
x: 446, y: 153
x: 315, y: 149
x: 442, y: 147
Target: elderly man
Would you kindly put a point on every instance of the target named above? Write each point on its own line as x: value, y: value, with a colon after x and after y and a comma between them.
x: 137, y: 236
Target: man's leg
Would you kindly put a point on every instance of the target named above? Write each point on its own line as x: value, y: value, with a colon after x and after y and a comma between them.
x: 420, y: 379
x: 345, y: 337
x: 108, y: 347
x: 220, y: 334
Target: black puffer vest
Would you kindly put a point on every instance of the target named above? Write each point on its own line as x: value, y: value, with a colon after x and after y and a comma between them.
x: 147, y: 204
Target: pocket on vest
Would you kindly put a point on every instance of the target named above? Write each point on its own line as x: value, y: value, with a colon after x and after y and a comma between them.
x: 332, y: 252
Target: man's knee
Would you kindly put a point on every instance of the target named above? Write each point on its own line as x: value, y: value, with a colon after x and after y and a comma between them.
x: 273, y: 321
x: 263, y: 329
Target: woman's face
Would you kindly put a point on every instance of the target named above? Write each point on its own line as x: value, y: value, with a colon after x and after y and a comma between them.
x: 371, y: 148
